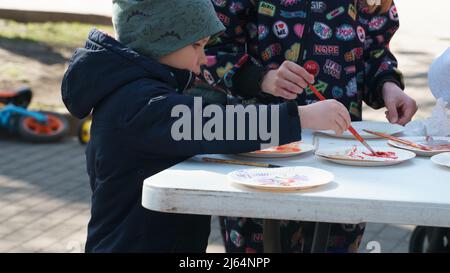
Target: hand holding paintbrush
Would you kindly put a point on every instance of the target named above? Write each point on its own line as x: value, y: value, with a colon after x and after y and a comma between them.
x: 289, y: 80
x: 350, y: 128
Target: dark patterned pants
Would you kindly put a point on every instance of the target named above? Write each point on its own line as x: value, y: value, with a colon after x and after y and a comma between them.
x: 246, y: 235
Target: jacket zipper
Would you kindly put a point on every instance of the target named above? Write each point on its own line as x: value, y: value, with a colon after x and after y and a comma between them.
x: 188, y: 82
x: 308, y: 26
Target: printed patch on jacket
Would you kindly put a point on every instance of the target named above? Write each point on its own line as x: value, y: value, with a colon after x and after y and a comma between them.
x: 352, y: 12
x: 393, y: 14
x: 236, y: 7
x: 222, y: 70
x: 337, y: 92
x: 361, y: 33
x: 318, y: 6
x: 377, y: 53
x: 345, y: 32
x: 287, y: 3
x: 236, y: 238
x: 208, y: 77
x: 257, y: 237
x: 322, y: 30
x: 312, y: 67
x: 383, y: 67
x: 354, y: 109
x: 320, y: 86
x: 350, y: 69
x: 351, y: 88
x: 293, y: 14
x: 326, y: 50
x: 270, y: 51
x: 220, y: 3
x: 211, y: 60
x: 332, y: 68
x: 335, y: 13
x: 377, y: 23
x: 354, y: 54
x: 266, y: 9
x: 293, y: 53
x: 263, y: 31
x: 280, y: 29
x: 223, y: 18
x: 299, y: 30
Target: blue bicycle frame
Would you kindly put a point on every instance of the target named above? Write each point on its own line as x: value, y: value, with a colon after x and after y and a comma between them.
x: 10, y: 109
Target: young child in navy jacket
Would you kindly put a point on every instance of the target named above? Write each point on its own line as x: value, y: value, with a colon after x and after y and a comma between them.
x: 131, y: 85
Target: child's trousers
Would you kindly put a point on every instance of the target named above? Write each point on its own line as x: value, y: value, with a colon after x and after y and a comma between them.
x: 246, y: 235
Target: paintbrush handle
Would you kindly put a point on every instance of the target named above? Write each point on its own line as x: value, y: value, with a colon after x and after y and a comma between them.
x: 351, y: 129
x: 399, y: 140
x: 355, y: 133
x: 316, y: 92
x: 360, y: 139
x: 238, y: 162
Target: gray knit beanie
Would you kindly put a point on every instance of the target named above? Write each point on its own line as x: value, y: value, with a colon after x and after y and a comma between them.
x: 155, y: 28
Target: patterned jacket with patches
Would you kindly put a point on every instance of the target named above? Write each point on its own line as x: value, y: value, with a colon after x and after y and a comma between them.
x: 339, y: 41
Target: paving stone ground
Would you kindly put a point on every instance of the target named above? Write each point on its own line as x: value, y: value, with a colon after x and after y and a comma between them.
x: 45, y: 200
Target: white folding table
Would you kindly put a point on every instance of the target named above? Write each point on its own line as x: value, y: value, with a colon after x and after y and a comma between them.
x: 416, y: 192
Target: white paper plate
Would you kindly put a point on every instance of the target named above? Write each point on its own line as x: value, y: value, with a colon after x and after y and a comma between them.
x: 281, y: 179
x: 293, y: 149
x: 340, y: 156
x: 422, y: 140
x: 442, y: 159
x: 377, y: 126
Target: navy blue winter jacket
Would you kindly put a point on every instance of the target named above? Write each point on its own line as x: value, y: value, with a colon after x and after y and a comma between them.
x: 131, y: 98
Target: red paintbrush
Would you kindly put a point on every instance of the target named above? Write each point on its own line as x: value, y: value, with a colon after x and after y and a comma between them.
x: 351, y: 129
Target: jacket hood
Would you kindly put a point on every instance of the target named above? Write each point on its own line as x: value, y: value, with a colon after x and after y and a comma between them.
x: 103, y: 66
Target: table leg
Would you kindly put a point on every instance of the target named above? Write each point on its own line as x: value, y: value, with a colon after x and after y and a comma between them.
x: 271, y: 236
x: 321, y: 235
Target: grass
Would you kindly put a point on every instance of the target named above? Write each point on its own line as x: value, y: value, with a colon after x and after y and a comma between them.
x: 59, y: 34
x: 12, y: 71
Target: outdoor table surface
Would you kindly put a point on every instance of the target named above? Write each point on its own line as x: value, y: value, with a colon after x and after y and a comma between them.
x: 416, y: 192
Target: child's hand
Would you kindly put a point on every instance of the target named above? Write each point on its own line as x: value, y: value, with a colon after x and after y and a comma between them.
x: 289, y: 80
x: 325, y: 115
x: 400, y: 107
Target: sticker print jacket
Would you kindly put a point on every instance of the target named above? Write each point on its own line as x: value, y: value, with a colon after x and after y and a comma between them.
x: 339, y: 41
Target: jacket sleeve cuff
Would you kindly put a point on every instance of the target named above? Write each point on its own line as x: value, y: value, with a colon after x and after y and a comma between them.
x: 377, y: 99
x: 392, y: 77
x: 247, y: 80
x: 290, y: 129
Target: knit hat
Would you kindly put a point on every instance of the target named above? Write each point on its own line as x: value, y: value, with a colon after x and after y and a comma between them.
x: 155, y: 28
x: 439, y: 77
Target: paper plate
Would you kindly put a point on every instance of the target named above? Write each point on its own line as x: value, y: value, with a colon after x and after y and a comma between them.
x: 377, y: 126
x: 291, y: 149
x: 282, y: 179
x: 438, y: 145
x: 442, y: 159
x: 360, y: 156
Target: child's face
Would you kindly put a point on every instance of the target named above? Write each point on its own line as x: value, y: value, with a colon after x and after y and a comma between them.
x: 190, y: 57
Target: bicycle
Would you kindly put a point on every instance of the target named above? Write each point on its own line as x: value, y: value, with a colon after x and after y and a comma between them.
x: 32, y: 126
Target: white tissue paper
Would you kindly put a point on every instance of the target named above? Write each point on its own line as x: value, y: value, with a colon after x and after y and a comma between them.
x: 436, y: 125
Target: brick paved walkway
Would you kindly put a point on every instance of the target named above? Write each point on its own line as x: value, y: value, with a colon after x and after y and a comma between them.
x: 45, y: 199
